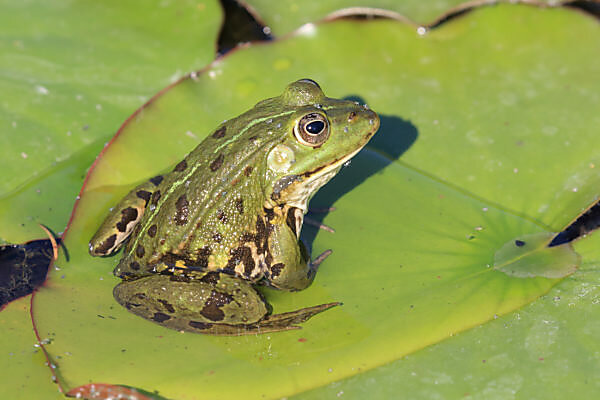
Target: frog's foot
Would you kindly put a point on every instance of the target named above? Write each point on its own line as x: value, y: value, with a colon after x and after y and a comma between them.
x: 272, y: 323
x: 314, y: 264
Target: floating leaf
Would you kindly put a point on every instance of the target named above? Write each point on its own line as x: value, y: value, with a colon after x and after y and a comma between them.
x: 415, y: 238
x: 529, y: 256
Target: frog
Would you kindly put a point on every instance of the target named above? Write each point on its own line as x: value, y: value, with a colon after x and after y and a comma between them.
x: 200, y: 239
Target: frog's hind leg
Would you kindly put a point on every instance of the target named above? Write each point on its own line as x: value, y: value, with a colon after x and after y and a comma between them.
x: 192, y: 304
x: 278, y: 322
x: 123, y: 218
x: 215, y: 304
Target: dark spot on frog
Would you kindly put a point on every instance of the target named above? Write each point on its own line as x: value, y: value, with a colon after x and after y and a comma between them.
x: 160, y: 317
x: 134, y: 265
x: 152, y: 230
x: 202, y: 257
x: 252, y: 138
x: 290, y: 219
x: 199, y: 325
x: 262, y: 235
x: 211, y: 278
x: 180, y: 167
x: 212, y: 309
x: 128, y: 215
x: 219, y: 133
x: 268, y: 259
x: 276, y: 269
x: 144, y: 195
x: 162, y: 241
x: 248, y: 170
x: 169, y: 307
x: 217, y: 237
x: 182, y: 206
x: 351, y: 116
x: 519, y: 243
x: 239, y: 205
x: 140, y: 251
x: 106, y: 245
x: 241, y: 255
x: 156, y: 180
x: 129, y: 305
x: 222, y: 216
x: 217, y: 163
x: 155, y: 197
x: 269, y: 213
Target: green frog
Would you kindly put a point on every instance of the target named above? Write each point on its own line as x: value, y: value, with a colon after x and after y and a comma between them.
x: 228, y: 217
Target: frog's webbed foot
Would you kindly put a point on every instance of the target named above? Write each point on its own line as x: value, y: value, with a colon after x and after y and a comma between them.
x: 272, y: 323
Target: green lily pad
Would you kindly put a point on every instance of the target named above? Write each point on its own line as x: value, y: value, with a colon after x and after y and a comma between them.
x: 286, y: 15
x: 530, y: 255
x: 547, y: 348
x: 416, y: 237
x: 25, y: 373
x: 70, y: 73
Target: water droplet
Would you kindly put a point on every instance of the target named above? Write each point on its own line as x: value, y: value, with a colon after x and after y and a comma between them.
x: 421, y: 31
x: 41, y: 90
x: 346, y: 129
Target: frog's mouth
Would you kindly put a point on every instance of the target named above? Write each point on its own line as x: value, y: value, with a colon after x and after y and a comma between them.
x: 297, y: 190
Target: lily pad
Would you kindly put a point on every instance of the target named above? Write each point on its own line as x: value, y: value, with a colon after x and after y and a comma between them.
x: 70, y: 73
x: 530, y: 255
x: 286, y: 15
x: 465, y: 107
x: 547, y: 348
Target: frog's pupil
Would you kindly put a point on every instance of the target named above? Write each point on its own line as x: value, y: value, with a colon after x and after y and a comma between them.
x: 315, y: 127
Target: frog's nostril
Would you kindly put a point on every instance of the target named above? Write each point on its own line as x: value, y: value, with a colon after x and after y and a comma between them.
x: 351, y: 116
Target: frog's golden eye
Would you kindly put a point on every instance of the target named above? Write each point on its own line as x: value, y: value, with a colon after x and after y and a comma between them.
x: 312, y: 129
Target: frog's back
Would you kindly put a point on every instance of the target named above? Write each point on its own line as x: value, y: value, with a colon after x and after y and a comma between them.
x: 207, y: 213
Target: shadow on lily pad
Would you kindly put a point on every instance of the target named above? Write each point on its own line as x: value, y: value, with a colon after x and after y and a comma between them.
x: 395, y: 136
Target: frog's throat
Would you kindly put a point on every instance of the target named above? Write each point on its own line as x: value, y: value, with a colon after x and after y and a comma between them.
x: 297, y: 190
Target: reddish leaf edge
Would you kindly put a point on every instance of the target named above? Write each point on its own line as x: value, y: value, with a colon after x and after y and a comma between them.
x: 101, y: 391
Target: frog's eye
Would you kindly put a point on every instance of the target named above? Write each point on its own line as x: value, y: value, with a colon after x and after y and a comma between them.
x: 312, y: 129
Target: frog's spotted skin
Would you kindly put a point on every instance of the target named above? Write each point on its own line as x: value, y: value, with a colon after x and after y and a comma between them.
x: 235, y: 205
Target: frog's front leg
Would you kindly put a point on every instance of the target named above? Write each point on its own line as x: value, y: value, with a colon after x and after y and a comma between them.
x: 122, y: 219
x: 290, y: 267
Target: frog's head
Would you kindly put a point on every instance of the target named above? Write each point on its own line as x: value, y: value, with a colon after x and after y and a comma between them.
x: 319, y: 134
